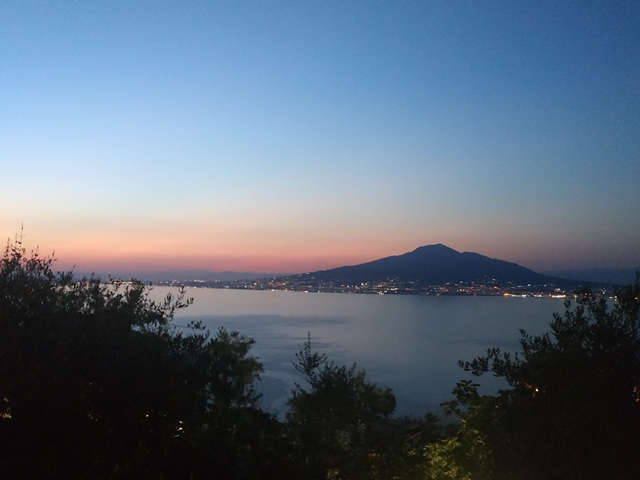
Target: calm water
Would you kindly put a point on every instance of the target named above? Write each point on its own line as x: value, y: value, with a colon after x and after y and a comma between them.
x: 409, y: 343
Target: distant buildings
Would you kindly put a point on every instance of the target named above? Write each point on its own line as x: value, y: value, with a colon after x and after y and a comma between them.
x: 304, y: 283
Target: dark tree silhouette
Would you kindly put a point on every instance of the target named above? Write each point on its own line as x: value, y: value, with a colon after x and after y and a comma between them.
x: 337, y: 421
x: 572, y: 409
x: 97, y: 382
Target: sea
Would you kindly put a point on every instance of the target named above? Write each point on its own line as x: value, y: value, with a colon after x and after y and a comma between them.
x: 409, y: 343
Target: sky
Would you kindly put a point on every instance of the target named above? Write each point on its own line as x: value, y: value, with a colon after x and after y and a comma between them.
x: 288, y: 136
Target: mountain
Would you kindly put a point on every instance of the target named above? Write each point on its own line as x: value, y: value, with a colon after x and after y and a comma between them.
x: 180, y: 275
x: 618, y: 276
x: 205, y: 275
x: 437, y: 265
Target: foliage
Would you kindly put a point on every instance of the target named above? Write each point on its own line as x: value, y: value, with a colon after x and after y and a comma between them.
x: 573, y: 407
x: 96, y: 382
x: 338, y: 423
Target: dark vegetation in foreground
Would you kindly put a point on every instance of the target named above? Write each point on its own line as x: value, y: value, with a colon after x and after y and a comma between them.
x: 96, y: 383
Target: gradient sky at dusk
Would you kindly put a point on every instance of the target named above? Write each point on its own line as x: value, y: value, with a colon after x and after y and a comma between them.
x: 289, y: 136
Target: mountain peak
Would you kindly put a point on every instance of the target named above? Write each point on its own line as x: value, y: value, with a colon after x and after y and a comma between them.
x: 436, y: 248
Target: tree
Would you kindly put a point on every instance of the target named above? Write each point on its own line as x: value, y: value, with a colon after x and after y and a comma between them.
x: 572, y: 409
x: 97, y: 382
x: 338, y: 423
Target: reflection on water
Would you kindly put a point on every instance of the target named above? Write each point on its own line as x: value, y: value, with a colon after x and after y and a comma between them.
x: 409, y: 343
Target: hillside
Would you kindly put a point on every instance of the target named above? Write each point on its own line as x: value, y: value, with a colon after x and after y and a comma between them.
x: 435, y: 265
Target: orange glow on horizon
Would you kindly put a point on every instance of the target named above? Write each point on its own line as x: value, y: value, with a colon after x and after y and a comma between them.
x: 262, y: 264
x: 273, y: 259
x: 269, y: 251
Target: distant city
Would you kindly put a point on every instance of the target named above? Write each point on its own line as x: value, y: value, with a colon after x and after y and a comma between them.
x: 302, y: 283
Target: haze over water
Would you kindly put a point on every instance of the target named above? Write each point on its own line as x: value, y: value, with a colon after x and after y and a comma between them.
x: 409, y: 343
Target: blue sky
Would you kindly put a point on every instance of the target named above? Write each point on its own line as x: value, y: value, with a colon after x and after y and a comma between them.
x: 293, y: 136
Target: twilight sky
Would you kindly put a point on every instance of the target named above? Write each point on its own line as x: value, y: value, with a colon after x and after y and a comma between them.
x: 289, y: 136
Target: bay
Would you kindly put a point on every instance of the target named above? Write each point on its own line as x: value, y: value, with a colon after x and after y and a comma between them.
x: 410, y: 343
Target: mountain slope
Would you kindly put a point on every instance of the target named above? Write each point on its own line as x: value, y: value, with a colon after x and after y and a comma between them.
x: 436, y: 264
x: 617, y: 276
